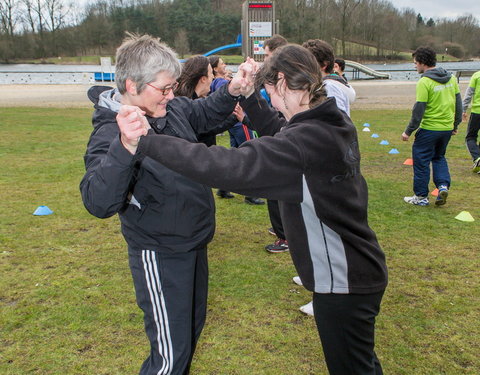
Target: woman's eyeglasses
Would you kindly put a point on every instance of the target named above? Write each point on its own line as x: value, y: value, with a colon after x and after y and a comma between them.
x: 165, y: 90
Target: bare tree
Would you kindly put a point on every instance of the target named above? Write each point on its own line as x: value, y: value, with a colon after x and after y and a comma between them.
x: 181, y: 43
x: 29, y: 18
x: 45, y: 15
x: 326, y: 26
x: 345, y: 10
x: 8, y: 20
x: 44, y: 18
x: 8, y: 16
x: 56, y: 14
x: 34, y: 20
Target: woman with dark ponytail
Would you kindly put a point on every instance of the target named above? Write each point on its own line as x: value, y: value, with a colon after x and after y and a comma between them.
x: 310, y: 163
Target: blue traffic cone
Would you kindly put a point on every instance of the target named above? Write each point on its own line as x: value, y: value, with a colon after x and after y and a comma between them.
x: 42, y: 211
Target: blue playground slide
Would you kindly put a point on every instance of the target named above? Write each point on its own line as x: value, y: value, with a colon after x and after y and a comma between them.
x: 218, y: 49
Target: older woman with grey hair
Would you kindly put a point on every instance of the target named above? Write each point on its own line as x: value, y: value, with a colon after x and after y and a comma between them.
x: 167, y: 219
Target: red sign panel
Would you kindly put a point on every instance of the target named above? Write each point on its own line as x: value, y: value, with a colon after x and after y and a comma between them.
x: 259, y: 5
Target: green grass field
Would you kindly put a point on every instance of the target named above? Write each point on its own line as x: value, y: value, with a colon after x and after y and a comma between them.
x: 67, y: 302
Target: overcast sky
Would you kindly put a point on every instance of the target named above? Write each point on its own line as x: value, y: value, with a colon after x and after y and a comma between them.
x: 431, y: 8
x: 440, y: 8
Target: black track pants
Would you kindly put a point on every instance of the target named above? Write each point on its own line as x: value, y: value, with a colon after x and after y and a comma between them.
x: 171, y: 290
x: 275, y: 218
x: 471, y: 138
x: 346, y: 324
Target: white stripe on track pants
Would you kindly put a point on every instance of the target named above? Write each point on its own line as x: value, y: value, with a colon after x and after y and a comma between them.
x: 171, y: 290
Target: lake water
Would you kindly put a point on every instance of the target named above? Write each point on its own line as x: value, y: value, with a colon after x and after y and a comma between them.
x: 47, y: 74
x: 84, y: 74
x: 407, y: 72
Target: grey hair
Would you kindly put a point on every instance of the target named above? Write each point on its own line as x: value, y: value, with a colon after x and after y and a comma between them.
x: 141, y: 58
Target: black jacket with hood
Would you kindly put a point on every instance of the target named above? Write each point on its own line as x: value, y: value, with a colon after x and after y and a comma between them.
x: 159, y: 209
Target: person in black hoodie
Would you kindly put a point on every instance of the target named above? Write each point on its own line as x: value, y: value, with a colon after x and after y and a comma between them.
x: 167, y: 219
x: 310, y: 163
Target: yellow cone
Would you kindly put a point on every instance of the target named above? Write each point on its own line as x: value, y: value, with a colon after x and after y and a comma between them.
x: 464, y: 216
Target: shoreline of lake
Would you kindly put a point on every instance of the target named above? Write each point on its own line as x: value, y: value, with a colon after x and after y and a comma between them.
x: 86, y: 74
x: 371, y: 94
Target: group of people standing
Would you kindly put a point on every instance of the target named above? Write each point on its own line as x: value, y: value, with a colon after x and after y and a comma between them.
x: 152, y: 160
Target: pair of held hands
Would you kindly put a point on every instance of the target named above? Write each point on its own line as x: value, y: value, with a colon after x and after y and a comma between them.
x: 132, y: 121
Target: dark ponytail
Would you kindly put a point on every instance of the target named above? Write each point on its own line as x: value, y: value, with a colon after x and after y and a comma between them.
x: 300, y: 69
x: 318, y: 94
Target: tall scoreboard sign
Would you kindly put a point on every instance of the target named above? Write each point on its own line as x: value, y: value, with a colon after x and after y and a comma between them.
x: 258, y: 25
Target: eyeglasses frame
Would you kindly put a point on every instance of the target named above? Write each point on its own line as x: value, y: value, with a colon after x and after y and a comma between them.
x: 164, y: 90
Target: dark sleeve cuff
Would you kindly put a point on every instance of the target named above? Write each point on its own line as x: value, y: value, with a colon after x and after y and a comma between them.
x: 120, y: 153
x: 236, y: 98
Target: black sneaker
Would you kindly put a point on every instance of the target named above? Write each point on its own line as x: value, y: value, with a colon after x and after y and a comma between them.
x: 279, y: 246
x: 272, y: 232
x: 252, y: 200
x: 224, y: 194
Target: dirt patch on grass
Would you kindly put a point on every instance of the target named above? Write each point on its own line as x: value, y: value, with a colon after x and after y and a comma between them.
x: 58, y: 96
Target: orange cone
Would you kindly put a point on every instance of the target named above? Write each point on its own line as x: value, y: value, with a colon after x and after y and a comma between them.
x: 408, y: 162
x: 435, y: 193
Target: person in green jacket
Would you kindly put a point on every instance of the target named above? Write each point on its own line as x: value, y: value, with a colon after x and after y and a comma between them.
x: 437, y: 112
x: 473, y: 95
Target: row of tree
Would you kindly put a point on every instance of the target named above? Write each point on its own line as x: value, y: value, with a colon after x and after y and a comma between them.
x: 360, y: 29
x: 378, y: 24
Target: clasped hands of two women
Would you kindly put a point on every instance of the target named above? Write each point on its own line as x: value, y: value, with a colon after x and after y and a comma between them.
x: 133, y: 123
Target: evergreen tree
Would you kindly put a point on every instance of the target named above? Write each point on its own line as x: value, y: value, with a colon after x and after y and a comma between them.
x: 420, y: 21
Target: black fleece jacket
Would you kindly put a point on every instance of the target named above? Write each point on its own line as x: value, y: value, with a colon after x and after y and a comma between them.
x: 312, y: 167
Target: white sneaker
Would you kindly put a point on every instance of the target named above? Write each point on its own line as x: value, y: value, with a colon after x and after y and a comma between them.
x: 476, y: 166
x: 296, y: 280
x: 307, y: 309
x: 416, y: 200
